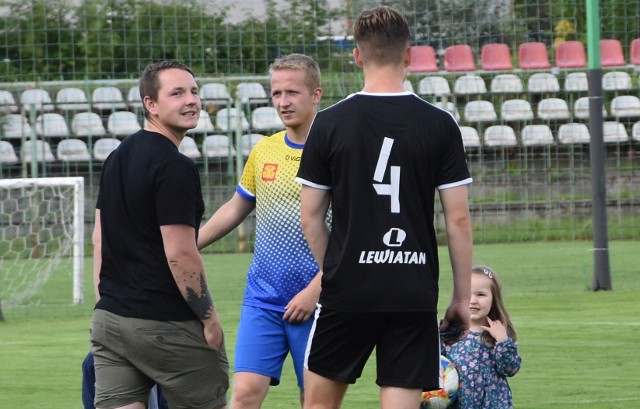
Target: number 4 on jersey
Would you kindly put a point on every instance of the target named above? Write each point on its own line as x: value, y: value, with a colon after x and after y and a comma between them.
x: 391, y: 189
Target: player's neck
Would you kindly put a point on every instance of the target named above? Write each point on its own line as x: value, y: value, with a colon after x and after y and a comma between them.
x: 174, y: 136
x: 388, y: 79
x: 298, y: 135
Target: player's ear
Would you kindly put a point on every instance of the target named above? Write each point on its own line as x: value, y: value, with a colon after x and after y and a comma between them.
x: 150, y: 104
x: 407, y: 57
x: 357, y: 57
x: 317, y: 94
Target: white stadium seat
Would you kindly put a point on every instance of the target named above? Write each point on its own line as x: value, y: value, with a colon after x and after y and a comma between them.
x: 500, y: 135
x: 87, y: 124
x: 479, y: 111
x: 103, y: 147
x: 434, y: 85
x: 573, y: 133
x: 217, y: 146
x: 516, y: 110
x: 41, y: 150
x: 537, y: 135
x: 73, y: 150
x: 189, y: 148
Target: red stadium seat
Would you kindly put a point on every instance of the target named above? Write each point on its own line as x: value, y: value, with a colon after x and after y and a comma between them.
x: 634, y: 52
x: 571, y: 54
x: 496, y: 57
x: 533, y: 56
x: 459, y: 58
x: 423, y: 59
x: 611, y: 53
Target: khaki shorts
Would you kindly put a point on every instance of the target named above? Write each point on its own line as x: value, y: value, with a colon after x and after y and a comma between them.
x: 131, y: 355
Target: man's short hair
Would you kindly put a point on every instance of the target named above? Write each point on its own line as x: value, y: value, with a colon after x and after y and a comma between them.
x: 149, y: 84
x: 299, y: 62
x: 382, y: 35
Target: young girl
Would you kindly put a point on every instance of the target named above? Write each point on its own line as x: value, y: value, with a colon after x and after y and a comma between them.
x: 488, y: 354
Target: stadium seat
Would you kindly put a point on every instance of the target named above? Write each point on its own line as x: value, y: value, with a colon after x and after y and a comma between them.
x: 553, y: 109
x: 634, y: 52
x: 616, y: 81
x: 122, y: 123
x: 495, y: 56
x: 205, y: 126
x: 570, y: 54
x: 533, y: 56
x: 479, y: 111
x: 41, y: 149
x: 469, y: 84
x: 459, y: 58
x: 108, y: 99
x: 576, y: 82
x: 499, y: 136
x: 215, y: 93
x: 248, y: 141
x: 516, y: 110
x: 7, y: 102
x: 189, y: 148
x: 423, y: 59
x: 217, y: 146
x: 506, y: 84
x: 252, y: 93
x: 541, y: 82
x: 7, y: 153
x: 635, y: 132
x: 434, y: 86
x: 408, y: 86
x: 611, y: 54
x: 573, y: 133
x: 227, y: 118
x: 134, y: 100
x: 470, y: 137
x: 87, y: 124
x: 15, y: 126
x: 103, y: 147
x: 581, y: 108
x: 38, y: 99
x: 450, y: 107
x: 625, y: 106
x: 72, y: 99
x: 266, y: 119
x: 537, y: 135
x: 51, y: 125
x: 73, y: 150
x: 613, y: 132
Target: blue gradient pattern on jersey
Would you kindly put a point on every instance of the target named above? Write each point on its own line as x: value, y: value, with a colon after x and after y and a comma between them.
x: 282, y: 264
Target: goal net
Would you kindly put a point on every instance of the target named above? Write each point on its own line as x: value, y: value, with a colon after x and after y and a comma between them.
x: 41, y: 236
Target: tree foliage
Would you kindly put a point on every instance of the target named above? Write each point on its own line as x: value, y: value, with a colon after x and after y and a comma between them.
x: 97, y: 39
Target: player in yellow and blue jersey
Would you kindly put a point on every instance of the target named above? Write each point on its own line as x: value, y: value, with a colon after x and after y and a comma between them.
x: 283, y: 281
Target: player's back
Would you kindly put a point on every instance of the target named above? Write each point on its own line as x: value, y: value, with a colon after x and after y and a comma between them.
x: 383, y: 156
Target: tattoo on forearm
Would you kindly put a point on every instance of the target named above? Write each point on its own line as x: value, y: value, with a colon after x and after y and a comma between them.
x: 199, y: 300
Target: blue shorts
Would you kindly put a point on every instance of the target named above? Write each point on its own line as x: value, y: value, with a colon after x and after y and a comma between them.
x: 265, y: 339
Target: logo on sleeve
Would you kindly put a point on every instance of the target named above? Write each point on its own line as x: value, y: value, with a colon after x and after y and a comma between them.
x: 269, y: 171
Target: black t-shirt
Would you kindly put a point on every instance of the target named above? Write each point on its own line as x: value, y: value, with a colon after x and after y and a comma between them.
x: 145, y: 183
x: 382, y: 156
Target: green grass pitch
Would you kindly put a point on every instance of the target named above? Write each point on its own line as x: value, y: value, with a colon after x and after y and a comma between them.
x: 579, y: 348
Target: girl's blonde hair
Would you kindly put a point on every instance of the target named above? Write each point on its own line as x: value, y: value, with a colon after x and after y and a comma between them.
x: 498, y: 312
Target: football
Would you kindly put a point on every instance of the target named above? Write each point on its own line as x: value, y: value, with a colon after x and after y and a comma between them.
x: 442, y: 398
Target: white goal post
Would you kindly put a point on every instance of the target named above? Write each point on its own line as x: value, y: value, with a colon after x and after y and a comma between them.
x: 41, y: 223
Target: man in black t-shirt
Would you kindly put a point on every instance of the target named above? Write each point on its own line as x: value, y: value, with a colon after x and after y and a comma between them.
x: 378, y: 157
x: 154, y: 321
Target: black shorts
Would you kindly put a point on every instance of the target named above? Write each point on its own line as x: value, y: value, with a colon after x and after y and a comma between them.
x: 407, y: 347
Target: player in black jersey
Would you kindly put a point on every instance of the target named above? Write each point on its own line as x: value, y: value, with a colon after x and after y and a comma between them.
x: 378, y: 157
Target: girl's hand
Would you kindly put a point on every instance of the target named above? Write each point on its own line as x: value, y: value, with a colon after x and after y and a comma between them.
x: 496, y: 329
